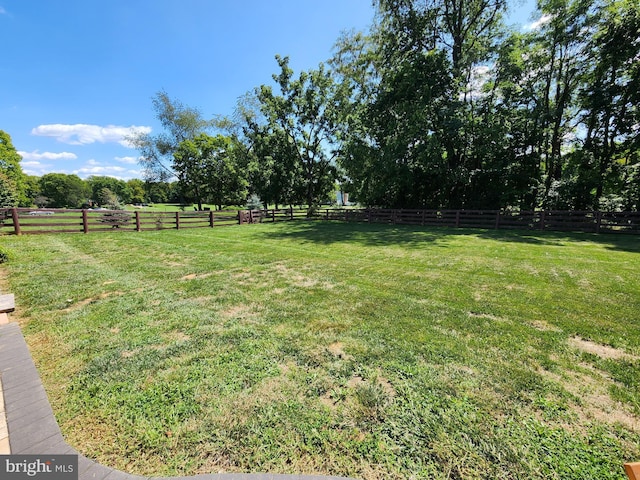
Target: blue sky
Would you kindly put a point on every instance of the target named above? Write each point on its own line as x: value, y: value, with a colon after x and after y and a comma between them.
x: 78, y: 75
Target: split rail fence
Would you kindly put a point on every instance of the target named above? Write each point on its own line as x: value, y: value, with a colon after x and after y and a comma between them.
x: 33, y: 221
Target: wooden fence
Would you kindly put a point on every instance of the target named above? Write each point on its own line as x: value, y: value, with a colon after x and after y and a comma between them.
x: 32, y: 221
x: 580, y: 221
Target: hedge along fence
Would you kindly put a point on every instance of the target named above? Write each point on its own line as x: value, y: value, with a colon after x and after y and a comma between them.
x: 33, y: 221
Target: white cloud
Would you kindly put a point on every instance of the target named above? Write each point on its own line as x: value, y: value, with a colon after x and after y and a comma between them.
x: 94, y: 168
x: 82, y: 134
x: 127, y: 160
x: 35, y: 155
x: 543, y: 20
x: 36, y: 168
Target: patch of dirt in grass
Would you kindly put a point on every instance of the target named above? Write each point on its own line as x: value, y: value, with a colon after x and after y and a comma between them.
x: 174, y: 264
x: 328, y: 401
x: 337, y: 349
x: 544, y: 326
x: 172, y: 260
x: 176, y: 336
x: 298, y: 279
x: 387, y: 387
x: 356, y: 381
x: 590, y: 387
x: 479, y: 294
x: 205, y: 300
x: 196, y: 276
x: 243, y: 313
x: 602, y: 351
x: 487, y: 316
x: 83, y: 303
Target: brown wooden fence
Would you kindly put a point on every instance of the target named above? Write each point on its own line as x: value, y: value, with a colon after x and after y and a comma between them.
x: 581, y: 221
x: 32, y: 221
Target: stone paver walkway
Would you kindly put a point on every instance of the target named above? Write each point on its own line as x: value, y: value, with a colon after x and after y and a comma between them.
x: 31, y: 428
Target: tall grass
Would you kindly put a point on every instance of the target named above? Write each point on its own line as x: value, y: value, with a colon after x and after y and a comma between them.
x: 358, y: 350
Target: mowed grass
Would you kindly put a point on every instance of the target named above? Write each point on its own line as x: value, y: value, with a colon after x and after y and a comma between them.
x: 368, y: 351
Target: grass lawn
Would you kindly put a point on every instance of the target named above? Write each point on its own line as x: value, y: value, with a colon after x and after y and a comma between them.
x: 368, y: 351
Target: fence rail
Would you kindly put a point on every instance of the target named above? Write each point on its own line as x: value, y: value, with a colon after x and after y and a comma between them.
x: 36, y: 221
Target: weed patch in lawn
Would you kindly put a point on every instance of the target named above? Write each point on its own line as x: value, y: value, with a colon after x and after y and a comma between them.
x: 369, y: 351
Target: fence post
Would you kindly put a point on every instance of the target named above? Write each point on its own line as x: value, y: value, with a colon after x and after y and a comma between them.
x: 211, y: 218
x: 85, y: 221
x: 457, y: 218
x: 240, y: 215
x: 542, y: 220
x: 16, y: 220
x: 291, y: 213
x: 497, y: 219
x: 598, y: 221
x: 177, y: 220
x: 137, y: 221
x: 250, y: 216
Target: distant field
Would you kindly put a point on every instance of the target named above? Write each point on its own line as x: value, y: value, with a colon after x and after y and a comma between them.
x: 360, y: 350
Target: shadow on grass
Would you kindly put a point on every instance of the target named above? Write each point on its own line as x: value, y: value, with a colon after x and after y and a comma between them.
x: 381, y: 235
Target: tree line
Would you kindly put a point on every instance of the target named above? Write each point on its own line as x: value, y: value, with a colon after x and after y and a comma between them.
x: 437, y: 105
x: 59, y: 190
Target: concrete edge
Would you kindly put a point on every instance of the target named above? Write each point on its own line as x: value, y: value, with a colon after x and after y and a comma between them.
x: 33, y: 430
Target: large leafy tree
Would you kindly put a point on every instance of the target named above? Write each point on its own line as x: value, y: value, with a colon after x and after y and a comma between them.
x: 64, y: 191
x: 119, y: 188
x: 415, y: 142
x: 609, y: 102
x: 15, y: 184
x: 138, y: 193
x: 207, y: 167
x: 295, y: 144
x: 180, y: 123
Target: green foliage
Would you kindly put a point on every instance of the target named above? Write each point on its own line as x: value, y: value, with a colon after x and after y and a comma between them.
x: 14, y: 185
x: 8, y: 192
x: 181, y: 123
x: 546, y: 118
x: 254, y: 202
x: 208, y: 167
x: 5, y: 254
x: 64, y: 191
x: 138, y: 193
x: 118, y: 191
x: 294, y: 139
